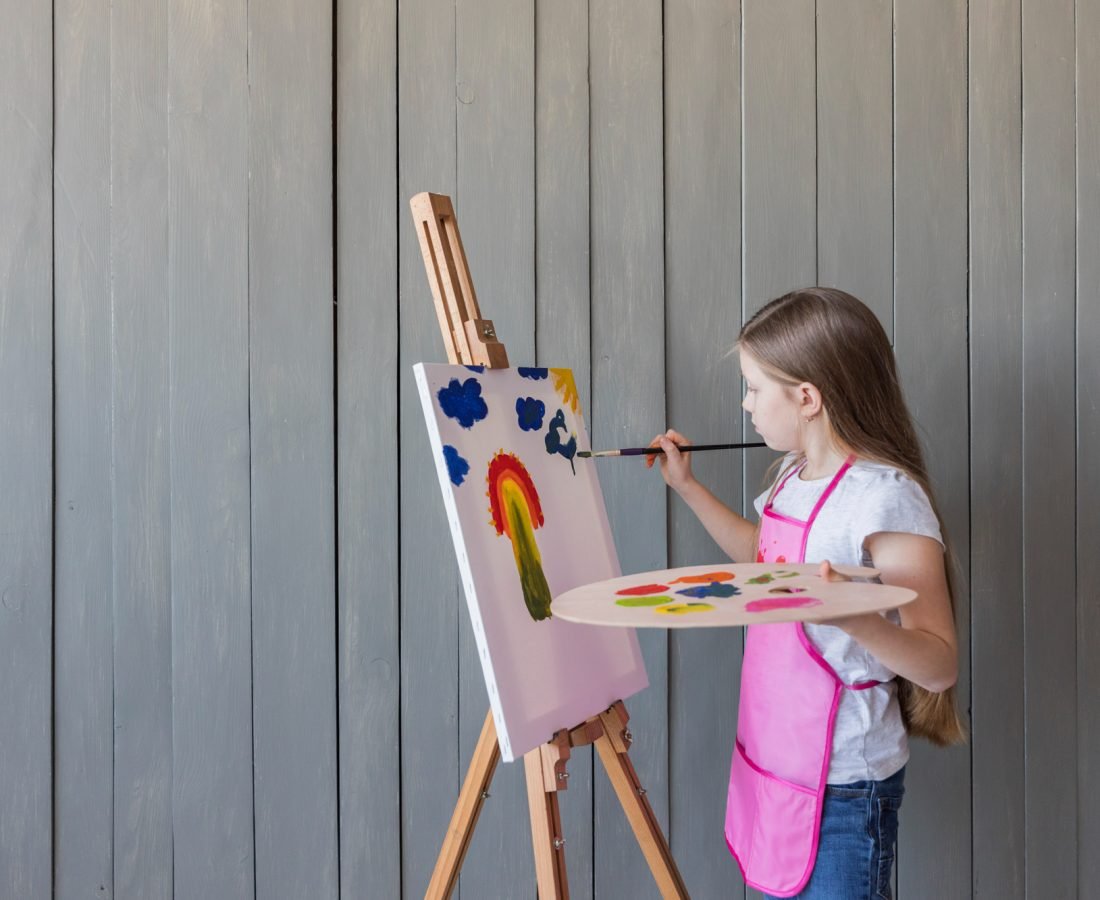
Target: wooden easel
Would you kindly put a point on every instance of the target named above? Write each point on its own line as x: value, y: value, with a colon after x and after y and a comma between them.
x: 471, y: 340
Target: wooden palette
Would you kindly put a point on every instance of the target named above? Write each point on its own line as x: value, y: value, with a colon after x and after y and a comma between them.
x: 722, y: 595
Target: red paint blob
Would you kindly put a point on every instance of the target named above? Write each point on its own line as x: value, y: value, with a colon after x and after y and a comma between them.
x: 769, y: 603
x: 641, y: 590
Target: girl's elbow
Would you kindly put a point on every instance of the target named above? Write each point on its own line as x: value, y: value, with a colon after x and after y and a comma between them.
x: 943, y: 681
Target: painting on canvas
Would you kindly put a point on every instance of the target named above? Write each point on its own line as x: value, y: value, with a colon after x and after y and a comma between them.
x: 528, y: 522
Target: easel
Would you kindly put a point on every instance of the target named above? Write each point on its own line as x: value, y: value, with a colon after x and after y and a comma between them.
x: 471, y: 340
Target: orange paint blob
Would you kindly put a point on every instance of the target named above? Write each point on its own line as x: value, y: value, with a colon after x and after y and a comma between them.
x: 705, y: 578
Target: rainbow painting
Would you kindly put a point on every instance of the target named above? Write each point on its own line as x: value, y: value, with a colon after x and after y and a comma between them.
x: 516, y: 513
x: 527, y: 522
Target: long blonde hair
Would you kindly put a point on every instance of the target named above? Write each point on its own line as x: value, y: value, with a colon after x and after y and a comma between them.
x: 830, y: 339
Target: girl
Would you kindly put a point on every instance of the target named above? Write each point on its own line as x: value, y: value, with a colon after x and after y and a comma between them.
x: 817, y: 774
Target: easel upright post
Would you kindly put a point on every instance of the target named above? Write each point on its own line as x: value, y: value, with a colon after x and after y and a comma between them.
x: 471, y: 340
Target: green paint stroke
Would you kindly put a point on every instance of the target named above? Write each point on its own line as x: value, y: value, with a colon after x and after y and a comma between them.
x: 536, y: 592
x: 642, y: 601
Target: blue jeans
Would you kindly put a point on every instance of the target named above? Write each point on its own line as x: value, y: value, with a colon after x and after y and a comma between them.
x: 859, y: 830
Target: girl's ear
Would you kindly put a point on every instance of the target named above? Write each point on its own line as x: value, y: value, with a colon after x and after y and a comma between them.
x: 809, y: 400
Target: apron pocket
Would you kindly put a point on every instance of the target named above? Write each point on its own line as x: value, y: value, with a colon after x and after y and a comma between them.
x: 771, y: 827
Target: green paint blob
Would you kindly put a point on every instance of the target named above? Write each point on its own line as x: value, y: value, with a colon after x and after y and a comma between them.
x: 642, y: 601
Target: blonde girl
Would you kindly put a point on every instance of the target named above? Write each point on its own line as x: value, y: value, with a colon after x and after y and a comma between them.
x: 825, y: 709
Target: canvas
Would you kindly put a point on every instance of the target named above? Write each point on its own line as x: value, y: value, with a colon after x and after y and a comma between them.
x: 528, y: 522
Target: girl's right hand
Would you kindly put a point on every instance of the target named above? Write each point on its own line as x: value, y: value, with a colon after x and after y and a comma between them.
x: 675, y: 465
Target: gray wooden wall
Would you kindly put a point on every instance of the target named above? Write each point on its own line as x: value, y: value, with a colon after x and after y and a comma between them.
x: 234, y: 654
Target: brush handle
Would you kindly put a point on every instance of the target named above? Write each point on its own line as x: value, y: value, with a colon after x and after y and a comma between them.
x: 690, y: 448
x: 652, y: 451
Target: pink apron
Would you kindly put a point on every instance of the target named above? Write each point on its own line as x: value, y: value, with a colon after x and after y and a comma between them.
x: 789, y: 698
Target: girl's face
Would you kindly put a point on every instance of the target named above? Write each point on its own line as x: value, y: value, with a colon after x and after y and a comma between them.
x: 774, y: 406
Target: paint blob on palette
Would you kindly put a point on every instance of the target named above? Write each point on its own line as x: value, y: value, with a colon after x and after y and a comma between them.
x: 741, y: 594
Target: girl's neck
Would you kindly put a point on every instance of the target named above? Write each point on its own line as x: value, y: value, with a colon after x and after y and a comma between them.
x: 823, y: 458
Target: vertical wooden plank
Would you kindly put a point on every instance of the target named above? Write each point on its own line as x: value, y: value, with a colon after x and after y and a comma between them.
x: 779, y: 188
x: 83, y: 732
x: 26, y: 458
x: 141, y: 496
x: 1050, y: 608
x: 293, y: 513
x: 212, y: 811
x: 779, y: 197
x: 930, y: 239
x: 996, y: 441
x: 628, y: 369
x: 495, y: 205
x: 368, y: 218
x: 433, y: 609
x: 1088, y: 445
x: 703, y: 316
x: 562, y: 299
x: 855, y: 203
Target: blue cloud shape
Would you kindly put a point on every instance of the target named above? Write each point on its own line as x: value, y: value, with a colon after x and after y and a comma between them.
x: 530, y: 411
x: 457, y: 467
x: 463, y: 401
x: 533, y: 374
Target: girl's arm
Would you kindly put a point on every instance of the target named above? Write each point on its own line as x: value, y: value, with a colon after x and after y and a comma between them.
x: 924, y: 649
x: 733, y: 533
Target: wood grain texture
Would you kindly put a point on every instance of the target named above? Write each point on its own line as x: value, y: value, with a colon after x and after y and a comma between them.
x: 562, y: 297
x: 369, y: 219
x: 779, y: 188
x: 930, y: 336
x: 628, y: 371
x: 855, y: 202
x: 433, y: 608
x: 1049, y: 415
x: 140, y: 424
x: 212, y: 808
x: 1088, y: 445
x: 996, y: 449
x: 83, y: 702
x: 702, y: 318
x: 495, y: 206
x: 293, y: 506
x: 26, y: 451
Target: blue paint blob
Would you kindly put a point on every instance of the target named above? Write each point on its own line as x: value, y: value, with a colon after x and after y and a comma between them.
x: 533, y: 374
x: 463, y: 401
x: 530, y: 411
x: 457, y: 467
x: 714, y: 589
x: 554, y: 443
x: 478, y: 369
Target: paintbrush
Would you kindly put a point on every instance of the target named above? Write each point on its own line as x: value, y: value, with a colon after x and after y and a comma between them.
x: 650, y: 451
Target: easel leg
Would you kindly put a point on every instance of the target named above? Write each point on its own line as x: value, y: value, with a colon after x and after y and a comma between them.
x: 612, y: 747
x: 546, y: 836
x: 475, y: 789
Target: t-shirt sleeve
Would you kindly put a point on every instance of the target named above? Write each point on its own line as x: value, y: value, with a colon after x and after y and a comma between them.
x: 895, y: 502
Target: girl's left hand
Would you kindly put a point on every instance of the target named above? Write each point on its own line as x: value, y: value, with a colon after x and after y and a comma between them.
x: 850, y: 624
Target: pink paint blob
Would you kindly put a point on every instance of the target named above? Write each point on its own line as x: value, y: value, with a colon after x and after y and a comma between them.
x: 769, y: 603
x: 641, y: 590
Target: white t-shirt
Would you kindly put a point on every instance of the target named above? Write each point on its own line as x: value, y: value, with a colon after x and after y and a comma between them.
x: 869, y: 739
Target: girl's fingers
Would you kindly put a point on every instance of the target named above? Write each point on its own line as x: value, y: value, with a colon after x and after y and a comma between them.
x: 828, y: 573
